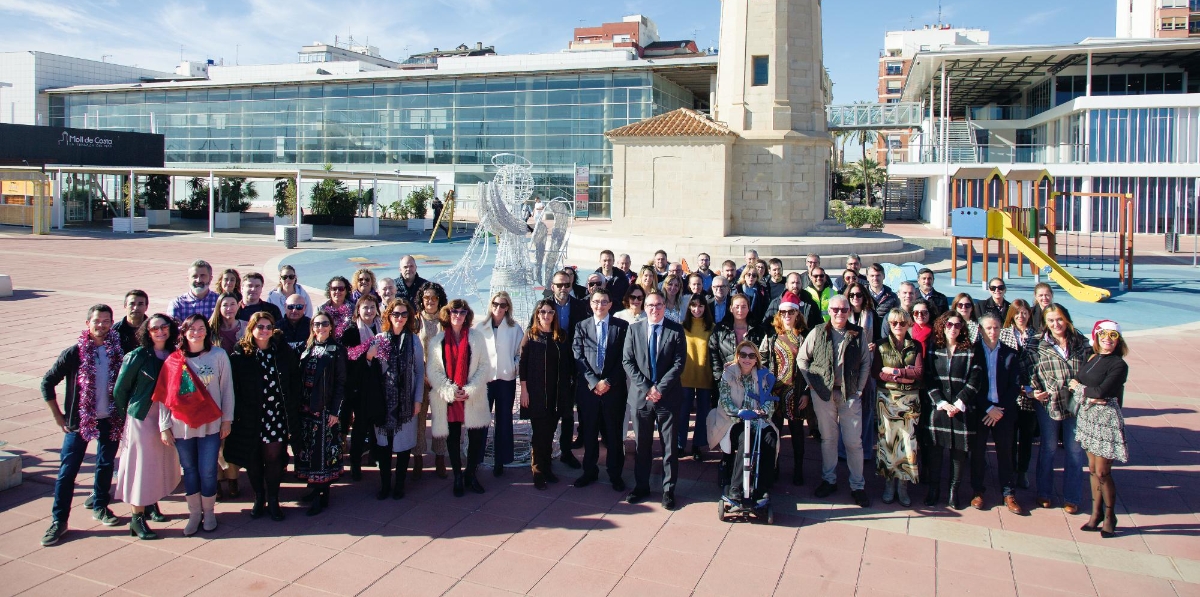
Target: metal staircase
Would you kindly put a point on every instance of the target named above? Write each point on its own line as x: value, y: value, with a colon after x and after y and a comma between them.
x: 961, y: 143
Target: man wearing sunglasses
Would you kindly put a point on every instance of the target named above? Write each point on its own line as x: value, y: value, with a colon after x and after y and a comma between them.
x: 996, y: 304
x: 819, y: 290
x: 835, y: 362
x: 295, y: 324
x: 571, y: 311
x: 653, y: 358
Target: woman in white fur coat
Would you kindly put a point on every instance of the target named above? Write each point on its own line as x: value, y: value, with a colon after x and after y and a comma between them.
x: 458, y: 371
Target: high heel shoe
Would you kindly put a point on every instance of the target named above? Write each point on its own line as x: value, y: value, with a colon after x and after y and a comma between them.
x: 1109, y: 517
x: 933, y: 496
x: 139, y: 529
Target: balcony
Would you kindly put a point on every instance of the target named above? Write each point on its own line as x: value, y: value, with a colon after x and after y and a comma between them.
x: 1014, y: 112
x: 997, y: 153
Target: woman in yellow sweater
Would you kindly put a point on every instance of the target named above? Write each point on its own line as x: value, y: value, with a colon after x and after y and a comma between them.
x: 697, y: 376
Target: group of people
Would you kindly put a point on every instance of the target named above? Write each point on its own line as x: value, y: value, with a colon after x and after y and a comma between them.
x: 228, y: 379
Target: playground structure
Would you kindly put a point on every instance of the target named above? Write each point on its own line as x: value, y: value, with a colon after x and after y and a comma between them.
x: 1021, y: 209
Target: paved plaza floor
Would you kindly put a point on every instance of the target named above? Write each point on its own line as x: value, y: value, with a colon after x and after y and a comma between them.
x: 567, y: 541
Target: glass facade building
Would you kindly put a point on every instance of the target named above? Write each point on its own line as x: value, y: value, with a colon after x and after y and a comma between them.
x: 415, y: 124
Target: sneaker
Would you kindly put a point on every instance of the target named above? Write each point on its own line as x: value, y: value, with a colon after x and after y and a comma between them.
x: 54, y: 533
x: 825, y: 489
x: 106, y: 517
x: 860, y: 498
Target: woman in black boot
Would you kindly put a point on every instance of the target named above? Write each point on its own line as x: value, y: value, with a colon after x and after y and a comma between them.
x: 363, y: 381
x: 401, y: 362
x: 322, y: 386
x: 266, y: 386
x: 1101, y: 429
x: 458, y: 372
x: 953, y: 376
x: 545, y: 384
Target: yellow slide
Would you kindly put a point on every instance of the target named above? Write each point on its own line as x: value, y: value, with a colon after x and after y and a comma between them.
x: 1077, y: 289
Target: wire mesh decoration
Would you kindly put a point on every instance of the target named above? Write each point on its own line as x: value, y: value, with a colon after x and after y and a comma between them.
x: 523, y: 261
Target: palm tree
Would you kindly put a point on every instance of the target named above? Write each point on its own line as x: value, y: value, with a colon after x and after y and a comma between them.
x: 870, y: 173
x: 864, y: 137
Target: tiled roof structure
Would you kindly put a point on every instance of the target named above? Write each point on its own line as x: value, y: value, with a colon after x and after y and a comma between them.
x: 683, y: 122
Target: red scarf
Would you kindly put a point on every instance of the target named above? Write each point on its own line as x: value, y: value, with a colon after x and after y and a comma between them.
x: 181, y: 390
x: 457, y: 356
x: 921, y: 333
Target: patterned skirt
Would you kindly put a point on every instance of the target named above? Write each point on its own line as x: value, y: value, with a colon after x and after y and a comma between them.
x: 897, y: 413
x: 1100, y: 429
x: 318, y: 449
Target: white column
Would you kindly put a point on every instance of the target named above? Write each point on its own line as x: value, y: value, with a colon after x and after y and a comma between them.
x: 1089, y: 74
x: 297, y: 214
x: 211, y: 205
x: 1085, y: 207
x: 132, y: 199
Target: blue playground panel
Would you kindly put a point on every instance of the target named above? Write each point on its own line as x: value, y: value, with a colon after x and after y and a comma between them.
x: 969, y: 222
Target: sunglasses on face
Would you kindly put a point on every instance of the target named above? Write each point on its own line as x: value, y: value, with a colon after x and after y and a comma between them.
x: 458, y: 311
x: 295, y: 307
x: 500, y: 305
x: 1108, y: 335
x: 637, y: 297
x: 264, y: 327
x: 288, y: 277
x: 855, y: 295
x: 747, y: 355
x: 953, y: 325
x: 788, y: 313
x: 160, y: 328
x: 898, y: 324
x: 399, y: 314
x: 821, y: 277
x: 921, y: 313
x: 337, y: 289
x: 965, y: 306
x: 562, y: 284
x: 321, y: 324
x: 545, y: 313
x: 593, y: 284
x: 838, y: 309
x: 995, y: 288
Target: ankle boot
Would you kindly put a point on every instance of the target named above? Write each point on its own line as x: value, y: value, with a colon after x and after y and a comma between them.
x: 209, y: 505
x: 889, y: 491
x: 221, y: 488
x: 417, y: 466
x: 320, y: 501
x: 273, y: 508
x: 955, y: 500
x: 902, y: 493
x: 138, y: 528
x: 260, y: 506
x: 458, y: 485
x: 195, y: 513
x: 439, y: 466
x: 934, y: 495
x: 385, y: 476
x: 472, y: 483
x: 154, y: 514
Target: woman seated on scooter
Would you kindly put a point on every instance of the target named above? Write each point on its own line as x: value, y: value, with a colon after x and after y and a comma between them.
x: 746, y: 386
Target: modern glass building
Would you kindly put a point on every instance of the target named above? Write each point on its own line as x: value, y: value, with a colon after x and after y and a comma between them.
x: 550, y: 109
x: 1103, y: 116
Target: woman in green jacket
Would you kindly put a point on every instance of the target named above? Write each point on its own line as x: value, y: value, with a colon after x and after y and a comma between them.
x: 147, y: 470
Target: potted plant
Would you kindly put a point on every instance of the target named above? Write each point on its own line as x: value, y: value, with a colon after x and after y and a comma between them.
x: 331, y: 203
x: 417, y: 205
x: 235, y: 197
x: 285, y: 201
x: 122, y: 222
x: 195, y: 205
x: 365, y: 224
x: 155, y: 196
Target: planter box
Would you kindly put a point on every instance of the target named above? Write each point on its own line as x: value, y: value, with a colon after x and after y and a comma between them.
x: 421, y: 224
x: 366, y: 226
x: 324, y: 220
x: 227, y: 221
x: 306, y: 232
x: 139, y: 225
x: 158, y: 217
x: 193, y: 214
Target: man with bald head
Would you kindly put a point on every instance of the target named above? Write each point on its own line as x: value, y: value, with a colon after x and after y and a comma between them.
x: 408, y: 285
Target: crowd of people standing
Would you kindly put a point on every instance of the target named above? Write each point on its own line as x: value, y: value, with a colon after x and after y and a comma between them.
x: 227, y: 380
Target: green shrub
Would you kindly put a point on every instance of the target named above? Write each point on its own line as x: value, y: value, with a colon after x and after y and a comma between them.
x: 417, y: 203
x: 285, y: 197
x: 394, y: 210
x: 197, y: 196
x: 236, y: 195
x: 837, y: 211
x: 859, y: 217
x: 156, y: 193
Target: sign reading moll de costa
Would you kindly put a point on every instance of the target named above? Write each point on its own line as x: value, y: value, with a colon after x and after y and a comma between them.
x: 43, y: 145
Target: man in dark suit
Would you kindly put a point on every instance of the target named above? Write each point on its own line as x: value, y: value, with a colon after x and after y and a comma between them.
x: 653, y: 357
x: 600, y: 390
x: 938, y: 303
x: 615, y: 281
x: 718, y: 303
x: 995, y: 410
x: 571, y: 311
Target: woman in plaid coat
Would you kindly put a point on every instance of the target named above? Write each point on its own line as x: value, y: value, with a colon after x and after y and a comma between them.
x: 1061, y: 352
x: 953, y: 375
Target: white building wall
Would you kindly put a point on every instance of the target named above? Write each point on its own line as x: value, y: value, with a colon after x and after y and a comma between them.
x: 30, y: 73
x: 1135, y: 18
x: 909, y: 43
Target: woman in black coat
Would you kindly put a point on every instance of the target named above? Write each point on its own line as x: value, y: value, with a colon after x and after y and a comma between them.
x: 545, y: 384
x: 364, y: 380
x: 265, y: 415
x: 318, y: 447
x: 722, y: 344
x: 953, y: 376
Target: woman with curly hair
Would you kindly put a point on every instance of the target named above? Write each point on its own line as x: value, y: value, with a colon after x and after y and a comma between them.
x: 954, y: 375
x: 779, y: 349
x: 400, y: 358
x: 338, y: 305
x: 432, y: 298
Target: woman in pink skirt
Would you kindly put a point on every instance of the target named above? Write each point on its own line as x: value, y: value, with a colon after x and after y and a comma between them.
x: 147, y: 470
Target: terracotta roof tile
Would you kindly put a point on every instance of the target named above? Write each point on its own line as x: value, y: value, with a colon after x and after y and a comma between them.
x: 678, y: 123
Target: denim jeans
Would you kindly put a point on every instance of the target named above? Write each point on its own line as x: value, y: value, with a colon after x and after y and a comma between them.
x: 501, y: 393
x: 74, y: 448
x: 198, y: 456
x: 699, y: 398
x: 1075, y: 458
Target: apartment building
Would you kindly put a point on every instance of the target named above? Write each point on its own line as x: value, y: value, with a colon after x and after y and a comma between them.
x: 1166, y: 19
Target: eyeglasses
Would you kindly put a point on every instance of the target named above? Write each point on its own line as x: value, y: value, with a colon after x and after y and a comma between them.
x: 601, y: 303
x: 337, y: 289
x: 288, y: 277
x: 362, y: 279
x: 838, y: 309
x: 965, y: 305
x: 562, y: 284
x: 1108, y: 335
x: 321, y: 324
x: 787, y: 312
x: 398, y: 314
x: 747, y: 355
x: 594, y: 284
x: 198, y: 329
x: 855, y: 295
x: 458, y: 311
x: 995, y: 288
x: 544, y: 312
x: 295, y: 307
x: 654, y: 305
x: 264, y: 327
x: 500, y: 305
x: 921, y: 313
x: 821, y: 277
x: 637, y: 297
x: 160, y: 328
x: 953, y: 325
x: 898, y: 324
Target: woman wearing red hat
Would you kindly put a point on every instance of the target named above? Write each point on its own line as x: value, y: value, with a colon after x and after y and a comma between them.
x: 778, y: 349
x: 1100, y: 386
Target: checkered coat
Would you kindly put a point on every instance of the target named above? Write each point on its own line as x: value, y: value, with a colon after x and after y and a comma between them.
x: 951, y: 378
x: 1052, y: 372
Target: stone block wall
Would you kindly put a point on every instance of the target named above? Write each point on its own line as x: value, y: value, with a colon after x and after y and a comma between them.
x: 664, y: 186
x: 777, y: 189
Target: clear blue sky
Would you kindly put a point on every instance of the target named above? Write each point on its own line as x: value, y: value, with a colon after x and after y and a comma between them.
x: 150, y: 33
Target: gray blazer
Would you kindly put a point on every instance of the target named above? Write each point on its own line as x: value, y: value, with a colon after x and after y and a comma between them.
x: 672, y: 352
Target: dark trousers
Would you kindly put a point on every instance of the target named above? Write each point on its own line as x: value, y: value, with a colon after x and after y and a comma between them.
x: 383, y: 455
x: 566, y: 413
x: 501, y: 393
x: 645, y: 420
x: 1027, y: 433
x: 1002, y: 434
x: 476, y: 440
x: 766, y: 461
x: 604, y: 416
x: 936, y: 455
x: 542, y: 442
x: 362, y: 435
x: 74, y: 448
x: 265, y: 471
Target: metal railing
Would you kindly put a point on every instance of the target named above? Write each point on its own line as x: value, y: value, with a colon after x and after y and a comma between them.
x: 874, y: 116
x: 999, y: 153
x: 1011, y: 112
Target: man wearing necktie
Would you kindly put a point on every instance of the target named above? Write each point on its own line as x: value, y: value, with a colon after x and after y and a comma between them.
x: 653, y: 357
x: 600, y: 390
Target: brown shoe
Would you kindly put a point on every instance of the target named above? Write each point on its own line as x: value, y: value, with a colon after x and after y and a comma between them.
x: 1043, y: 503
x: 1070, y: 508
x: 439, y: 463
x: 977, y: 502
x: 1010, y: 502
